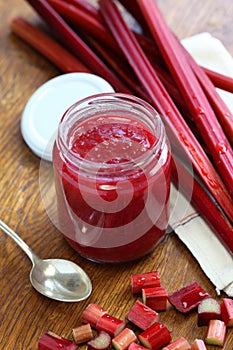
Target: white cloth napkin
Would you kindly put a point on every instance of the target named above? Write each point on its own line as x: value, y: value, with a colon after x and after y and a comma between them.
x: 214, y: 259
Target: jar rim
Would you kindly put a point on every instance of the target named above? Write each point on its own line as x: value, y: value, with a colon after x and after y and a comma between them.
x: 111, y: 99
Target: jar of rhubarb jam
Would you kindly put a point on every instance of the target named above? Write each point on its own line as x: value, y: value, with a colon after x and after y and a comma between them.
x: 112, y: 176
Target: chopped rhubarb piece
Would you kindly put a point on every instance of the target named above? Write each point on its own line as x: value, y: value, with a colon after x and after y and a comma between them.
x: 83, y: 333
x: 156, y: 298
x: 110, y: 324
x: 136, y: 346
x: 216, y: 333
x: 188, y: 297
x: 124, y: 339
x: 198, y: 344
x: 208, y: 309
x: 144, y: 280
x: 92, y: 313
x: 101, y: 342
x: 142, y: 316
x: 227, y: 311
x: 51, y: 341
x: 179, y: 344
x: 155, y: 337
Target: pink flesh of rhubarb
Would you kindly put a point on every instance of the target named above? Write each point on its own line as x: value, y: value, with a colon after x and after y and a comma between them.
x: 101, y: 342
x: 92, y: 313
x: 124, y: 339
x: 208, y: 309
x: 179, y: 344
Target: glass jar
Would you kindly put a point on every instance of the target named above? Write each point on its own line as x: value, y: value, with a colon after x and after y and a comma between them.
x: 111, y: 164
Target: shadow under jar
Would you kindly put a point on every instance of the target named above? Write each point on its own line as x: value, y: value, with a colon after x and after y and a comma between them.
x: 111, y: 164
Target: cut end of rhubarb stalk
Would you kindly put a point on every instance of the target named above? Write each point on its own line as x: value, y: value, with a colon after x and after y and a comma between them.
x: 216, y: 333
x: 124, y: 339
x: 52, y: 341
x: 208, y: 309
x: 188, y: 297
x: 102, y: 341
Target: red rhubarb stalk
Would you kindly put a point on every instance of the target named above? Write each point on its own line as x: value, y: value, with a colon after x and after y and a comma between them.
x: 155, y: 337
x: 198, y: 344
x: 51, y: 341
x: 155, y: 298
x: 225, y: 116
x: 208, y: 309
x: 110, y: 324
x: 142, y: 316
x: 83, y: 333
x: 188, y: 297
x: 205, y: 119
x: 227, y: 311
x: 47, y: 46
x: 74, y: 43
x: 102, y: 341
x: 221, y: 81
x: 177, y: 130
x: 216, y: 333
x: 92, y: 313
x: 144, y: 280
x: 88, y: 23
x: 203, y: 203
x: 179, y: 344
x: 136, y: 346
x: 124, y: 339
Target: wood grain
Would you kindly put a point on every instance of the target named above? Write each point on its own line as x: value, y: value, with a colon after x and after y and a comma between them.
x: 24, y: 314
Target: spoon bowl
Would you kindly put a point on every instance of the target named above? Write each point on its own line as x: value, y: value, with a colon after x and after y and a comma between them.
x: 57, y: 279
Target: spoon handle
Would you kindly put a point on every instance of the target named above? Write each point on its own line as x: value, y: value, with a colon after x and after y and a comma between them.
x: 19, y: 241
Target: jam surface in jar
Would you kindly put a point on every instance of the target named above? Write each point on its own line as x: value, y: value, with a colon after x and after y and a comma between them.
x: 113, y: 193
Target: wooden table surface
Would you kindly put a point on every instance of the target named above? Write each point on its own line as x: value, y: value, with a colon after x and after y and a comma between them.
x: 24, y: 313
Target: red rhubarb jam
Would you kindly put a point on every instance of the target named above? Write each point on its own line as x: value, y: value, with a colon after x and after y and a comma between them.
x: 112, y: 176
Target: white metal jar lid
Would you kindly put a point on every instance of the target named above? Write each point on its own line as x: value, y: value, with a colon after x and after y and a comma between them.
x: 48, y: 103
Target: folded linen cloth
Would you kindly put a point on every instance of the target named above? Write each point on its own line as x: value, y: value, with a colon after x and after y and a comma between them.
x: 213, y: 257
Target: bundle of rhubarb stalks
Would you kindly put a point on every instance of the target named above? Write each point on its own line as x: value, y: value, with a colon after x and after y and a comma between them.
x: 153, y: 65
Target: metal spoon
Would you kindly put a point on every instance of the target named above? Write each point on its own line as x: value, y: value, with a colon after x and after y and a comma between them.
x: 55, y: 278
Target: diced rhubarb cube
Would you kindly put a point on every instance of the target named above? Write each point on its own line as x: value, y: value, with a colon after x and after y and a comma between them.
x: 142, y: 316
x: 110, y: 325
x: 198, y: 344
x: 208, y: 309
x: 124, y: 339
x: 188, y: 297
x: 102, y: 341
x: 227, y: 311
x: 82, y: 334
x: 216, y: 333
x: 92, y: 313
x: 136, y: 346
x: 144, y: 280
x: 155, y: 337
x: 51, y: 341
x: 155, y: 297
x: 179, y: 344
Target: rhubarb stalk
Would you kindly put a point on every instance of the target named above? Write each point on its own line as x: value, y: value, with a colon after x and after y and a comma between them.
x: 177, y: 130
x: 47, y: 46
x: 74, y: 43
x: 205, y: 119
